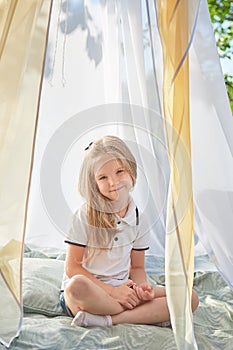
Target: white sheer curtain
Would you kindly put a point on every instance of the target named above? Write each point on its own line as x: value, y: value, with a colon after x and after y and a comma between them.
x: 212, y: 148
x: 23, y: 31
x: 104, y: 74
x: 106, y: 87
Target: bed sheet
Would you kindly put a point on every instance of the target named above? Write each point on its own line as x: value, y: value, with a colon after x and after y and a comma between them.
x: 46, y: 327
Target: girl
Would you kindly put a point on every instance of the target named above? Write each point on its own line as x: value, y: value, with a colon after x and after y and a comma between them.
x: 105, y: 280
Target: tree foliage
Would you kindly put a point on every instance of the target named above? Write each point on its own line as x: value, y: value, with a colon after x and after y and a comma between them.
x: 221, y: 13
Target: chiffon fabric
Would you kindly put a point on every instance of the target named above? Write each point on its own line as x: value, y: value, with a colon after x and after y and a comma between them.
x: 144, y: 70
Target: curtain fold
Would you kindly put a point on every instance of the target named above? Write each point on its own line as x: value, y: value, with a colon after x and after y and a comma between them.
x: 212, y: 147
x: 174, y: 19
x: 22, y: 47
x: 111, y: 51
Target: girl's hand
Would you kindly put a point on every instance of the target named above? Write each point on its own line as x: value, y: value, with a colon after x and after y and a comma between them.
x: 144, y: 291
x: 126, y: 295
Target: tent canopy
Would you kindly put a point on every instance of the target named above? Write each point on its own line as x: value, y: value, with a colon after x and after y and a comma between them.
x: 145, y: 71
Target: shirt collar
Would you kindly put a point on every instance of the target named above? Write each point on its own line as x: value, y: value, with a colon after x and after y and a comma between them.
x: 130, y: 217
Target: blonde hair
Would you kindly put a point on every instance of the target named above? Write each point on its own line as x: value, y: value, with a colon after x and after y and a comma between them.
x: 100, y: 216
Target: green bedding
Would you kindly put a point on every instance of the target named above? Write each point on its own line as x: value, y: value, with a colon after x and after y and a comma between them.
x: 46, y: 327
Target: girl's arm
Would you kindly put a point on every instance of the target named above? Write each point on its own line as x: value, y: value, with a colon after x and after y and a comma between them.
x: 126, y: 296
x: 144, y: 290
x: 137, y: 269
x: 74, y: 258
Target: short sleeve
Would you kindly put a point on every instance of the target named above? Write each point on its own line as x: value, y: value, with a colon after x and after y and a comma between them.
x: 142, y: 241
x: 78, y: 233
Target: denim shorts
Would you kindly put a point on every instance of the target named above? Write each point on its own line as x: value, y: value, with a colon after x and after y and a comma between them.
x: 64, y: 306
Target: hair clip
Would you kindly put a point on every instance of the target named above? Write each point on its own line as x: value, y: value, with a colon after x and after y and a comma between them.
x: 88, y: 146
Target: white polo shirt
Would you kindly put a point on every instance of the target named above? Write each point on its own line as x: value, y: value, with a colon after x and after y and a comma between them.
x: 111, y: 265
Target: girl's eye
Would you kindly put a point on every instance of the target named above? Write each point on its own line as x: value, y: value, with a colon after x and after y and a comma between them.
x: 119, y: 171
x: 102, y: 178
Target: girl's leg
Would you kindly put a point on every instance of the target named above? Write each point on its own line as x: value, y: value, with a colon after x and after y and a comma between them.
x: 83, y: 294
x: 151, y: 312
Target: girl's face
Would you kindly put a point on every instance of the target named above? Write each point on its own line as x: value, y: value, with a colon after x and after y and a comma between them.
x: 113, y: 180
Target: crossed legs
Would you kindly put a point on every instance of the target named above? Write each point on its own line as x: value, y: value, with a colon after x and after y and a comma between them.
x: 83, y: 294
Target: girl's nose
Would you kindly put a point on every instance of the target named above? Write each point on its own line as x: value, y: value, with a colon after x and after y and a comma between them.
x: 113, y: 180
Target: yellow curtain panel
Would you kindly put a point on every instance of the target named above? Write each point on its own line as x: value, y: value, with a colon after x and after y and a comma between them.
x: 173, y: 22
x: 23, y: 33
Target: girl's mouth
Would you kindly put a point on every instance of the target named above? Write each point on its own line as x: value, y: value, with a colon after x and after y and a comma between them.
x: 116, y: 189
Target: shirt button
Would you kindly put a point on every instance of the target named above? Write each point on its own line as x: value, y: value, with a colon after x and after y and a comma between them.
x: 116, y: 239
